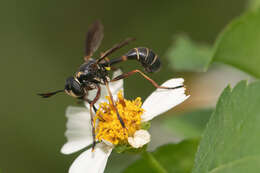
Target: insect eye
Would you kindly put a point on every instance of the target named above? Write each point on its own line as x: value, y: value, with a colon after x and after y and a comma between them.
x: 73, y: 87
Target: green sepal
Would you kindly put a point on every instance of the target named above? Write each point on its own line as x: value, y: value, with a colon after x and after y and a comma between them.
x: 137, y: 150
x: 126, y: 148
x: 145, y: 125
x: 121, y: 148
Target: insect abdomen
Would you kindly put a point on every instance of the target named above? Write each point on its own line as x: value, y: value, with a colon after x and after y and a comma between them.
x: 149, y: 60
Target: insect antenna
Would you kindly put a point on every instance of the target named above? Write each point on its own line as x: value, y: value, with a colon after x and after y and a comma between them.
x: 46, y: 95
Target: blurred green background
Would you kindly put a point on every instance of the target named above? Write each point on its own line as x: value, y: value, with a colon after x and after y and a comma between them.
x: 43, y: 43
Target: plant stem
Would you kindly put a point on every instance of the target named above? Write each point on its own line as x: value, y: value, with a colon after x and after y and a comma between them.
x: 153, y: 162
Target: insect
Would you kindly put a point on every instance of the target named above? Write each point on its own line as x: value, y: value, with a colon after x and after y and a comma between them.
x: 95, y: 72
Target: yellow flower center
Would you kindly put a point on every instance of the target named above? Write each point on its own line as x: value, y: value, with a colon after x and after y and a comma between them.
x: 109, y: 127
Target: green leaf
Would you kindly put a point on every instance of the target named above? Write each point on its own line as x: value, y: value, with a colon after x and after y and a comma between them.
x: 253, y: 4
x: 239, y: 44
x: 248, y: 164
x: 231, y: 140
x: 174, y: 158
x: 188, y: 124
x: 186, y: 55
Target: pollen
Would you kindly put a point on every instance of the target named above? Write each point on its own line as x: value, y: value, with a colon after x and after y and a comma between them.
x: 108, y: 126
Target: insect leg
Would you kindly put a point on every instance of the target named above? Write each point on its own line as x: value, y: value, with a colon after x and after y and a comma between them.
x: 125, y: 75
x: 114, y: 61
x: 114, y: 48
x: 89, y: 101
x: 92, y: 115
x: 113, y: 103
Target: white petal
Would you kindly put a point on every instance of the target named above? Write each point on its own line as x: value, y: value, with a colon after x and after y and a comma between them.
x: 92, y: 94
x: 114, y: 87
x: 161, y: 100
x: 93, y: 162
x: 118, y: 85
x: 108, y: 143
x: 79, y: 131
x: 141, y: 137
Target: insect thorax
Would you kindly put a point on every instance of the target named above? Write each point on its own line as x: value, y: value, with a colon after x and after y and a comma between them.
x: 91, y: 72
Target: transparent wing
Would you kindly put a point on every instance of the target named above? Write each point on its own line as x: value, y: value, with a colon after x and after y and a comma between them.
x: 94, y: 37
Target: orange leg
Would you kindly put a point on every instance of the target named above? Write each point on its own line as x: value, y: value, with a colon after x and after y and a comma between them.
x: 114, y: 48
x: 125, y: 75
x: 91, y: 103
x: 113, y: 103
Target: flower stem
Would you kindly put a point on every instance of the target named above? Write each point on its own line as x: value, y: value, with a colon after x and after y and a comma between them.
x: 153, y: 162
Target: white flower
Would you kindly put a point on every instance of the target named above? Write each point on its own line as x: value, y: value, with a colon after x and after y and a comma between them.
x: 140, y: 138
x: 79, y: 133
